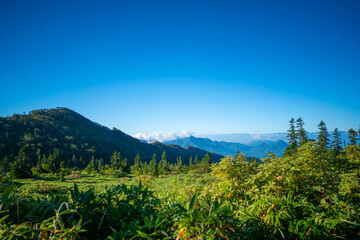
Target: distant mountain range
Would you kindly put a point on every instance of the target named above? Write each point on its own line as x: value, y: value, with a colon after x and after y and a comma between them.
x: 78, y: 139
x: 258, y: 149
x: 248, y: 139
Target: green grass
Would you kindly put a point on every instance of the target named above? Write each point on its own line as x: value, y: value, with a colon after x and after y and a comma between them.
x: 177, y: 185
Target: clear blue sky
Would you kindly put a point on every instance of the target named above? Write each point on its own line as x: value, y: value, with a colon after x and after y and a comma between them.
x: 201, y: 66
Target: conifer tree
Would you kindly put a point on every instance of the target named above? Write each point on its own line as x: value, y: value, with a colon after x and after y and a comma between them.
x: 115, y: 160
x: 90, y: 168
x: 163, y: 167
x: 196, y: 160
x: 336, y: 143
x: 124, y: 167
x: 237, y: 154
x: 20, y: 168
x: 99, y: 163
x: 179, y: 165
x: 55, y: 161
x: 191, y: 164
x: 323, y: 138
x: 136, y: 168
x: 205, y: 163
x: 45, y: 164
x: 300, y: 132
x: 164, y: 156
x: 352, y: 136
x: 292, y: 136
x: 152, y: 168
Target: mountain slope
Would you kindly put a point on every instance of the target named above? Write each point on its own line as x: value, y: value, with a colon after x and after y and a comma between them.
x: 258, y: 149
x: 261, y: 150
x: 223, y: 148
x: 66, y: 131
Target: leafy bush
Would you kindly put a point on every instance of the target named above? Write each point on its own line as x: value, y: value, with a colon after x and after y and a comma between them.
x: 208, y: 219
x: 120, y: 174
x: 51, y: 189
x: 311, y: 193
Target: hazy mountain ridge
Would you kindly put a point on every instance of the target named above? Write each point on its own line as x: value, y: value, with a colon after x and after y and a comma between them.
x: 250, y: 139
x: 61, y: 129
x: 258, y: 149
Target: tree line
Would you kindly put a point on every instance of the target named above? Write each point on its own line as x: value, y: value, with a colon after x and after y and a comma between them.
x: 297, y: 137
x: 21, y: 167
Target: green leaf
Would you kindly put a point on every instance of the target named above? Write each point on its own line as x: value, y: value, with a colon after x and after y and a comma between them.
x: 76, y: 190
x: 7, y: 192
x: 346, y: 221
x: 192, y: 203
x: 147, y: 222
x: 141, y: 234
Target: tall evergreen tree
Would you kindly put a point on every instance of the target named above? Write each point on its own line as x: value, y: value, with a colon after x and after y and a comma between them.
x: 301, y: 133
x: 136, y: 168
x: 179, y: 165
x: 352, y: 136
x: 124, y: 167
x: 163, y: 166
x: 144, y: 166
x: 191, y: 164
x: 196, y: 160
x: 115, y: 160
x: 323, y: 137
x: 292, y: 136
x: 152, y: 168
x: 336, y: 143
x: 205, y: 163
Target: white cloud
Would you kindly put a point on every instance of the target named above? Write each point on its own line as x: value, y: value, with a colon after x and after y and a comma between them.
x: 162, y: 136
x: 255, y: 137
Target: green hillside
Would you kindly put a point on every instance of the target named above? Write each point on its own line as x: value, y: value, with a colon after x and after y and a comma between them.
x: 77, y: 140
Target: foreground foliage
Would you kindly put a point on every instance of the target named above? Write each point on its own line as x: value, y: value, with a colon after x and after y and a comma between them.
x: 306, y: 195
x: 312, y: 192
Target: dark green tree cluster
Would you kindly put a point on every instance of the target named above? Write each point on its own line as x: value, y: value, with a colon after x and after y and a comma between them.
x: 52, y: 164
x: 296, y: 134
x: 354, y: 136
x: 163, y: 167
x: 297, y: 137
x: 49, y: 164
x: 21, y: 167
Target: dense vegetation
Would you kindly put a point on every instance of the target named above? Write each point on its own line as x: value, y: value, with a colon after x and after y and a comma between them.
x: 311, y: 192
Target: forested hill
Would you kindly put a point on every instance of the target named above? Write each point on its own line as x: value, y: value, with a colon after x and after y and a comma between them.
x: 77, y: 139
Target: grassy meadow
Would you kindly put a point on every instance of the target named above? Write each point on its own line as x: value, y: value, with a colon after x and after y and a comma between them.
x: 179, y: 185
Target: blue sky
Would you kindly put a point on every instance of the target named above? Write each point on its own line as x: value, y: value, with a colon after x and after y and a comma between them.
x: 167, y: 66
